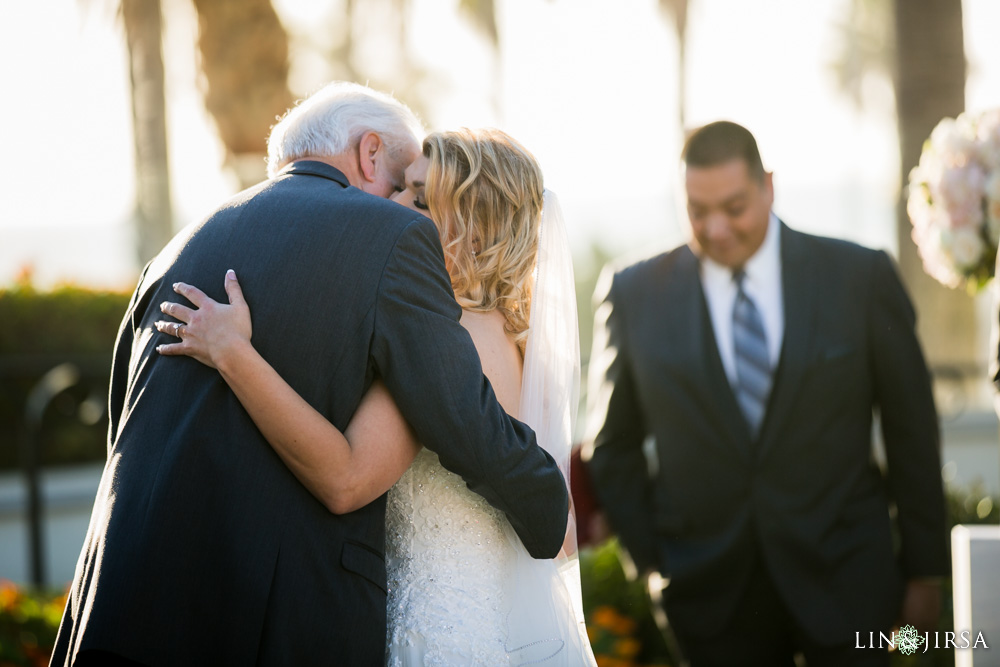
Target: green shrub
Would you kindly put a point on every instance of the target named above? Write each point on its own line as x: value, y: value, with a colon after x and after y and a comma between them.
x: 42, y: 330
x: 29, y: 621
x: 966, y: 505
x: 66, y: 320
x: 619, y: 617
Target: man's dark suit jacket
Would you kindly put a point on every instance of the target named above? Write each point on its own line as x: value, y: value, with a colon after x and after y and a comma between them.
x: 203, y: 547
x: 806, y: 497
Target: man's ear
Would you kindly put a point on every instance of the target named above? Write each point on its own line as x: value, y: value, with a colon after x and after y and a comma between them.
x: 370, y: 151
x: 769, y: 186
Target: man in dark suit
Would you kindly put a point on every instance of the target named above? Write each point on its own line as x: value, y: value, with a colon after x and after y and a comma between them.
x: 755, y: 357
x: 203, y: 548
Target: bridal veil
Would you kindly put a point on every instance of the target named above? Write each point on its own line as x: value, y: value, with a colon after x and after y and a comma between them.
x: 545, y: 619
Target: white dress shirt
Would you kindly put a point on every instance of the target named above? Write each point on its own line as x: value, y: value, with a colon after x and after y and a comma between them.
x: 762, y: 284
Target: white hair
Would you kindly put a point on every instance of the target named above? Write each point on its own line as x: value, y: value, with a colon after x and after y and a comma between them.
x: 331, y: 121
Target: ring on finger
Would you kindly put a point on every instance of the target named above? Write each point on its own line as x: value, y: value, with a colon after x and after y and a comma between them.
x: 178, y: 328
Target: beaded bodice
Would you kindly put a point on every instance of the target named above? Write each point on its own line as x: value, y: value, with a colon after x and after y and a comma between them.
x: 446, y: 555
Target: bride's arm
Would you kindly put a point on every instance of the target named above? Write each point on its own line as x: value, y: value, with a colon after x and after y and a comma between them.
x: 345, y: 471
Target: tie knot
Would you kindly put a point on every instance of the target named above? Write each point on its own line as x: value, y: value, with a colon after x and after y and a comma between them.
x: 739, y: 276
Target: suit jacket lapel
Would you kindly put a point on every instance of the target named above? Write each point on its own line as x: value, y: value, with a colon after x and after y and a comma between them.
x: 718, y: 398
x: 796, y: 286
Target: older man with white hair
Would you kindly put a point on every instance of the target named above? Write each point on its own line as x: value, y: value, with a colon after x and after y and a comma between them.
x: 204, y: 548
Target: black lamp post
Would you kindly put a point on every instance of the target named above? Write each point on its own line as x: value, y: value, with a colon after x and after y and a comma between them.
x: 57, y: 380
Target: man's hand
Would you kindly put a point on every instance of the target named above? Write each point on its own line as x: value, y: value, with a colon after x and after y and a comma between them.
x: 921, y: 604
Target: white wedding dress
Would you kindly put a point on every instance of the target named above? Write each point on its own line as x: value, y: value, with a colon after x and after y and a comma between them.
x: 447, y: 556
x: 462, y: 588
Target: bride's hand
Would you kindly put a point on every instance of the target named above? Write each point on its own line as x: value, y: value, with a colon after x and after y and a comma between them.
x: 212, y: 332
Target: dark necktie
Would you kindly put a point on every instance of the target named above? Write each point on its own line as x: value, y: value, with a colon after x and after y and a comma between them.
x: 753, y: 364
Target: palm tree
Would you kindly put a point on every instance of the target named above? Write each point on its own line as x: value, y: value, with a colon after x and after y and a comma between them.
x: 153, y: 214
x: 929, y: 80
x: 677, y: 10
x: 482, y: 14
x: 865, y: 46
x: 244, y: 57
x: 338, y: 38
x: 921, y: 44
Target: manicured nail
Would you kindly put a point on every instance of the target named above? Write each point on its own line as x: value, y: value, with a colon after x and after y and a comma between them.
x: 230, y: 274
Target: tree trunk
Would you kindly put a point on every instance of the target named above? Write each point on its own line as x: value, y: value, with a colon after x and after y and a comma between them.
x: 343, y: 55
x: 153, y: 215
x: 678, y: 9
x: 244, y: 56
x: 483, y: 15
x: 930, y: 71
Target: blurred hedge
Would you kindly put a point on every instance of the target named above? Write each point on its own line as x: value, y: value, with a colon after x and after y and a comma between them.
x: 40, y: 330
x: 620, y: 623
x: 29, y: 621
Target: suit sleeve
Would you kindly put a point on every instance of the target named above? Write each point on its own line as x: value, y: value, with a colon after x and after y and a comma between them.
x: 909, y: 426
x: 431, y: 367
x: 617, y: 462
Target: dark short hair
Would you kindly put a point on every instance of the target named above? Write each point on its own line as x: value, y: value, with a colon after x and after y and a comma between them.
x: 721, y: 142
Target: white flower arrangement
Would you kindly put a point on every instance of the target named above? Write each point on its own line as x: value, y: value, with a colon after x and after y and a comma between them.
x: 954, y: 200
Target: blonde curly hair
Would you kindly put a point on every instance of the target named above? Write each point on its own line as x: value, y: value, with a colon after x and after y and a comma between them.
x: 484, y: 192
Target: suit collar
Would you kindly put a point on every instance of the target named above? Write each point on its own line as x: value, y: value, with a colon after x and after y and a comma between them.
x: 798, y: 290
x: 316, y: 168
x: 762, y: 283
x: 703, y: 350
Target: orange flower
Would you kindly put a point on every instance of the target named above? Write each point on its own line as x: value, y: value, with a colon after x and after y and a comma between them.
x: 9, y: 594
x: 606, y: 617
x: 625, y: 626
x: 611, y: 661
x: 628, y: 647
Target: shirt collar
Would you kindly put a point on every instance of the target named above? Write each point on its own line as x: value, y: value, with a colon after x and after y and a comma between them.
x: 764, y: 266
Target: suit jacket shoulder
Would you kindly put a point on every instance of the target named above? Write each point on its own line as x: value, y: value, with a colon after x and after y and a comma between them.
x: 636, y: 279
x: 836, y: 266
x: 815, y: 246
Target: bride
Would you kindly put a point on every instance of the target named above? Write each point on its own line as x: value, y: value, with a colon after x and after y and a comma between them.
x: 462, y: 588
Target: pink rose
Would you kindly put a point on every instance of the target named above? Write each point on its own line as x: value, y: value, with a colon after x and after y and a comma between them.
x: 960, y: 193
x: 988, y: 138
